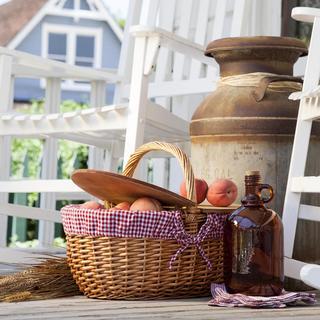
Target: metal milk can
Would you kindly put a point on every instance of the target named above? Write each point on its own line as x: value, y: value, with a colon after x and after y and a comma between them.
x: 248, y: 123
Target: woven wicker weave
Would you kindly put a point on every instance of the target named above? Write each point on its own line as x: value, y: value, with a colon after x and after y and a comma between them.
x: 130, y: 268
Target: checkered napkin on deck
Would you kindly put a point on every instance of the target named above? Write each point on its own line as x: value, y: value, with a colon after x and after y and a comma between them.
x: 222, y: 298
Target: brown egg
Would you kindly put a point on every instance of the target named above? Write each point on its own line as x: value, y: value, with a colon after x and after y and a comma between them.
x: 146, y: 204
x: 92, y: 205
x: 121, y: 206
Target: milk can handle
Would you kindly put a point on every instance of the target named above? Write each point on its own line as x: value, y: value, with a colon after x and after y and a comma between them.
x: 259, y: 92
x: 270, y: 189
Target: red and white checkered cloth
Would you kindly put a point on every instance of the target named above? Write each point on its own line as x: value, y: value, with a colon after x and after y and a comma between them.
x: 163, y: 225
x: 222, y: 298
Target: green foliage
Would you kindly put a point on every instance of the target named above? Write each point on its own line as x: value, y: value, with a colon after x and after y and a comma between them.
x: 26, y: 162
x: 68, y: 152
x: 22, y: 148
x: 15, y: 243
x: 122, y: 23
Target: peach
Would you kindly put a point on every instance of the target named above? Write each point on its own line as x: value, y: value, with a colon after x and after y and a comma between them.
x: 201, y: 189
x: 146, y: 204
x: 92, y: 205
x: 222, y: 193
x: 121, y: 206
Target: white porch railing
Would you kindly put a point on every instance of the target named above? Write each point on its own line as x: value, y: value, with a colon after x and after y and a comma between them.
x: 13, y: 65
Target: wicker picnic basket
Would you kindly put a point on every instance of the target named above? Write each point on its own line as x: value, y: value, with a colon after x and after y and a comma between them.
x: 120, y: 267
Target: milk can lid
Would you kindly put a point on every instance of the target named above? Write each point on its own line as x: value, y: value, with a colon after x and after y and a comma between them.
x: 264, y: 42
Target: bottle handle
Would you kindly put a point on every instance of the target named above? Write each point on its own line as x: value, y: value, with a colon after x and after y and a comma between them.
x: 271, y: 193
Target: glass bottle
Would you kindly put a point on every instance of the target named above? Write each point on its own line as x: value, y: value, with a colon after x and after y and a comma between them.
x: 254, y: 244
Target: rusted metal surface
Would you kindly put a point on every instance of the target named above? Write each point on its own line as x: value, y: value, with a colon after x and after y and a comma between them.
x: 261, y: 90
x: 245, y: 55
x: 234, y: 110
x: 256, y: 54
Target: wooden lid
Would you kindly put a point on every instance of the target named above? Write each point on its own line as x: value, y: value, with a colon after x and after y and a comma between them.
x: 209, y: 208
x: 118, y: 188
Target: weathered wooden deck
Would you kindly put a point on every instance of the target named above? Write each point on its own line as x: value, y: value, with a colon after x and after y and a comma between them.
x: 84, y: 308
x: 80, y: 307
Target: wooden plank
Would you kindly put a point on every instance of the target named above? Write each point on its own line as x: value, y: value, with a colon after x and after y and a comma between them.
x: 97, y: 100
x: 183, y: 31
x: 313, y: 65
x: 305, y: 184
x: 29, y: 212
x: 125, y: 59
x: 27, y: 60
x: 292, y: 267
x: 239, y: 18
x: 305, y: 14
x: 73, y: 195
x: 152, y: 13
x: 75, y: 122
x: 6, y: 100
x: 200, y: 35
x: 219, y: 17
x: 166, y: 18
x: 217, y: 30
x: 76, y: 307
x: 181, y: 87
x: 311, y: 108
x: 174, y: 42
x: 307, y: 212
x: 164, y: 119
x: 163, y: 69
x: 45, y: 185
x: 310, y: 275
x: 138, y: 100
x: 49, y: 163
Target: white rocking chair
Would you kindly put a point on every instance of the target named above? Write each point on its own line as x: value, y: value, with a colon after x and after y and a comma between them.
x: 166, y: 60
x: 309, y: 110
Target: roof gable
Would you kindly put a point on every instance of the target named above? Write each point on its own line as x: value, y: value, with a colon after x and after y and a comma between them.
x: 95, y: 10
x: 15, y: 15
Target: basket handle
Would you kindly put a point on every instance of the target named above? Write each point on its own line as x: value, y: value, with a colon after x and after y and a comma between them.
x: 170, y: 148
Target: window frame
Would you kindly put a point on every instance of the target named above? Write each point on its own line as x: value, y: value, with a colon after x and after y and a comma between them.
x: 71, y: 33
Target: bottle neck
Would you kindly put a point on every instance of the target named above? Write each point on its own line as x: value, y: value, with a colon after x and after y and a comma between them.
x: 252, y: 191
x: 252, y: 184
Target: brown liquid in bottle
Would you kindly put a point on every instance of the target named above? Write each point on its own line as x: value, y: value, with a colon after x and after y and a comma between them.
x: 254, y: 244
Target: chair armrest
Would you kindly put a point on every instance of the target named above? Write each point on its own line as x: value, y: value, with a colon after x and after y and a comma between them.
x: 174, y: 42
x: 29, y: 65
x: 305, y: 14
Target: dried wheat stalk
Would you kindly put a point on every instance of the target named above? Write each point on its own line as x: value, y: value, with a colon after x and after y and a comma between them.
x: 51, y: 278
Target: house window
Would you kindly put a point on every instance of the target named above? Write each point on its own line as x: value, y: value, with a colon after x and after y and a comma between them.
x: 85, y: 51
x: 69, y: 4
x: 57, y: 46
x: 74, y: 45
x: 83, y: 5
